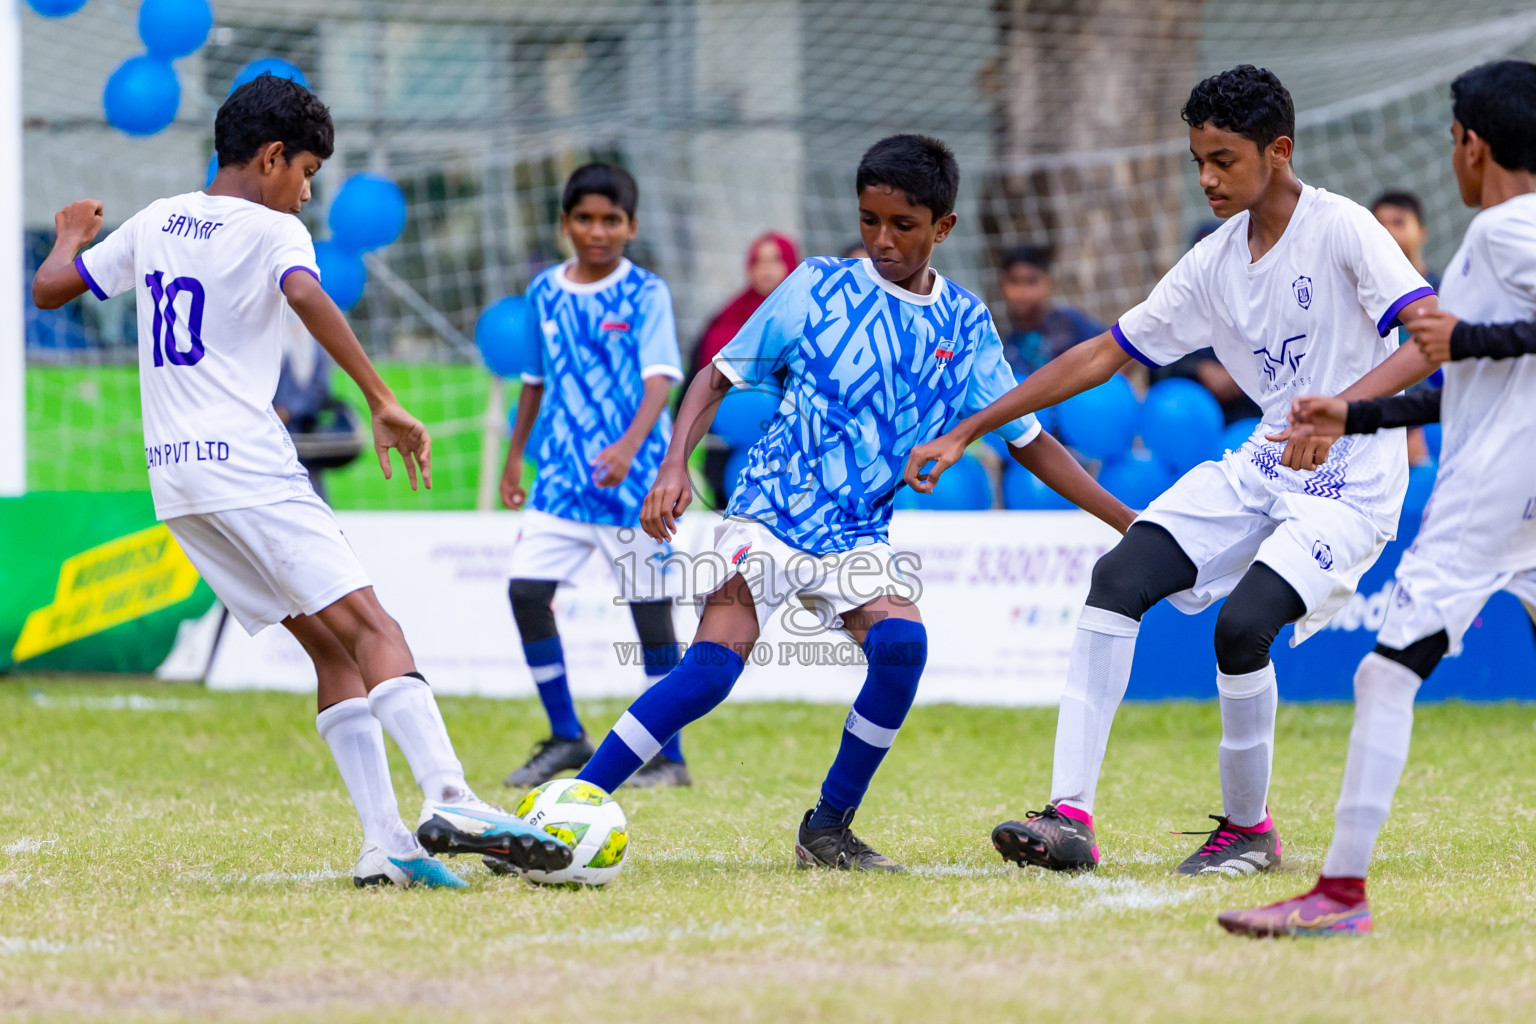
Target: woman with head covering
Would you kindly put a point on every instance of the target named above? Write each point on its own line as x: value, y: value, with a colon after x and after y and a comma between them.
x: 770, y: 259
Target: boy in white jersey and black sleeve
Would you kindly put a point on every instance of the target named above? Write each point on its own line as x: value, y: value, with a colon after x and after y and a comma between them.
x: 873, y: 356
x: 1298, y: 291
x: 607, y: 359
x: 1478, y: 535
x: 219, y: 276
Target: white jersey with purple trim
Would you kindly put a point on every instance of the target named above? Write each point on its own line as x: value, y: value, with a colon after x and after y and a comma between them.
x: 1311, y: 316
x: 208, y: 273
x: 1482, y: 516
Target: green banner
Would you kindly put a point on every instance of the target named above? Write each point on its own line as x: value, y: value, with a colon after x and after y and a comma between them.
x: 90, y: 582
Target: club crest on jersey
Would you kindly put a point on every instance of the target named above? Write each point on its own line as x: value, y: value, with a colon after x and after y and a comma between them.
x: 740, y: 554
x: 614, y: 326
x: 1271, y: 363
x: 1302, y: 287
x: 1322, y: 554
x: 944, y: 353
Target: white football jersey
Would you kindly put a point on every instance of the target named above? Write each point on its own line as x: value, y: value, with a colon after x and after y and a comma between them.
x: 1487, y: 481
x: 208, y: 273
x: 1311, y: 316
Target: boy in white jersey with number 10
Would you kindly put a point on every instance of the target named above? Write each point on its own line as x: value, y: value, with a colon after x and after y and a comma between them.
x: 1479, y: 530
x: 1298, y: 291
x: 219, y: 276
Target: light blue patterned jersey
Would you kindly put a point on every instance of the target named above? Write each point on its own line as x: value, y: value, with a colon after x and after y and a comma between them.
x: 597, y: 344
x: 869, y: 371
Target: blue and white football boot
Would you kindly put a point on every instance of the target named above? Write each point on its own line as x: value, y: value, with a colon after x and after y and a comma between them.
x: 376, y: 866
x: 470, y: 825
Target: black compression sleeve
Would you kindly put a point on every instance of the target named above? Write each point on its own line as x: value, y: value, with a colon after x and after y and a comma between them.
x: 1493, y: 341
x: 1414, y: 409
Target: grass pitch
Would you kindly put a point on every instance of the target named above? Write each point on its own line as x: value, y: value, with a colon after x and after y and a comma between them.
x: 171, y: 853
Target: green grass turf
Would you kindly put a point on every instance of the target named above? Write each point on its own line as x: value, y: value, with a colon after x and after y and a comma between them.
x: 193, y: 863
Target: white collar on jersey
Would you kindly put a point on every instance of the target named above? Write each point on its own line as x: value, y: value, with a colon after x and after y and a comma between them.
x: 900, y: 292
x: 576, y: 288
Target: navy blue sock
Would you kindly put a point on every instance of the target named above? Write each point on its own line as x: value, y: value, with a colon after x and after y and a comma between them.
x: 547, y: 663
x: 897, y: 650
x: 702, y: 679
x: 661, y: 659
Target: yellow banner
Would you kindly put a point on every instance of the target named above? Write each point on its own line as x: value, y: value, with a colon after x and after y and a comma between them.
x: 112, y: 583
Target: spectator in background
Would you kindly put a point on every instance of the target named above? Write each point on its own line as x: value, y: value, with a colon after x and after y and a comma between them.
x: 303, y: 392
x: 1402, y: 214
x: 1037, y: 329
x: 770, y: 259
x: 1204, y: 368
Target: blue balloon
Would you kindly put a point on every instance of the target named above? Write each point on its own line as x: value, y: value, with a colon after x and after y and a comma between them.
x: 1136, y: 479
x: 368, y: 212
x: 142, y: 96
x: 964, y: 487
x: 1181, y: 422
x: 342, y: 273
x: 1421, y: 481
x: 56, y: 8
x: 1023, y: 490
x: 505, y: 336
x: 745, y: 414
x: 275, y: 66
x: 174, y: 28
x: 1238, y: 433
x: 1432, y: 437
x: 1100, y: 422
x: 213, y: 168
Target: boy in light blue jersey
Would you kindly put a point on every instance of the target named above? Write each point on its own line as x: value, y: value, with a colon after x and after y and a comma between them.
x: 875, y: 356
x: 607, y: 359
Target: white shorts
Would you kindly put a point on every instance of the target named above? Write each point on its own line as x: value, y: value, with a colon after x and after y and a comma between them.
x: 1431, y: 594
x: 270, y: 562
x: 1226, y: 515
x: 552, y: 548
x: 822, y: 587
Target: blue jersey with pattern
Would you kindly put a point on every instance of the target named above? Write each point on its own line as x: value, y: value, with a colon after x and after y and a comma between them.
x: 869, y: 371
x: 597, y: 343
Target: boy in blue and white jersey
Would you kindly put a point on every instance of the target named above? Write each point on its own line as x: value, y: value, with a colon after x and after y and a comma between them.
x: 607, y: 360
x: 221, y: 276
x: 875, y: 356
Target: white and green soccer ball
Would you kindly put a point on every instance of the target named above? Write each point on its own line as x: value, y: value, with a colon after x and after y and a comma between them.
x: 587, y: 818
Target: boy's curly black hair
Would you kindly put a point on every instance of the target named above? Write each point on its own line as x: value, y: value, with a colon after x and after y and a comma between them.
x: 1498, y: 102
x: 272, y: 109
x: 920, y: 167
x: 1246, y: 100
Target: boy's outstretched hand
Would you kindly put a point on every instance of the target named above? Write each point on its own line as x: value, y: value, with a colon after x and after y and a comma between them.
x: 1432, y: 333
x: 611, y: 465
x: 943, y: 451
x: 1316, y: 422
x: 668, y: 498
x: 393, y: 427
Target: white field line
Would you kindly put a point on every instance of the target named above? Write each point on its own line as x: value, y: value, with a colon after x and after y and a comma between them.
x: 11, y: 945
x: 27, y: 844
x: 121, y: 702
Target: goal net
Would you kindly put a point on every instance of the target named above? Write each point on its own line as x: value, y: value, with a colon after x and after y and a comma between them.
x: 737, y: 117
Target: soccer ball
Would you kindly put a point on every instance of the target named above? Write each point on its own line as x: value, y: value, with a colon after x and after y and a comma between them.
x: 584, y: 816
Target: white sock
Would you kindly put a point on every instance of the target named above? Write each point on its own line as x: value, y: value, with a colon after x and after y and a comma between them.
x: 1097, y: 676
x: 1247, y: 752
x: 357, y: 744
x: 1378, y: 750
x: 408, y: 711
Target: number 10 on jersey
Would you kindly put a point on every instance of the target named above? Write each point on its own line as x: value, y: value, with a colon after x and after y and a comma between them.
x: 163, y: 331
